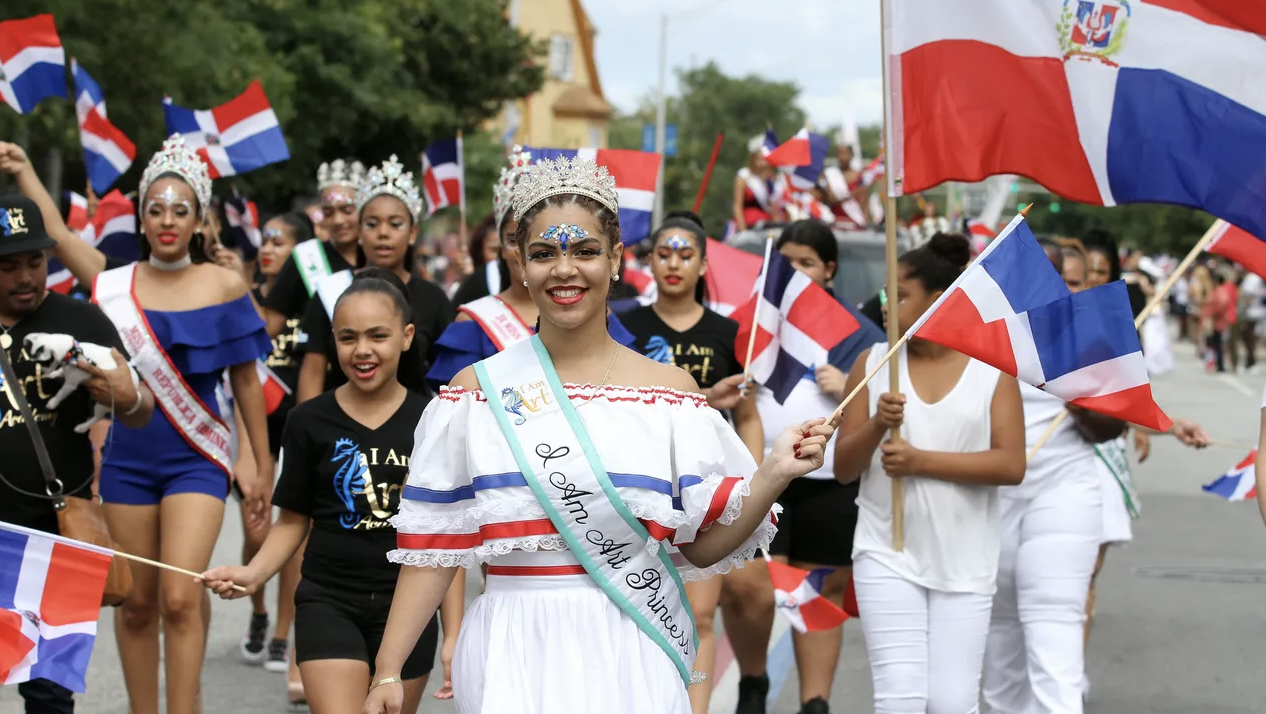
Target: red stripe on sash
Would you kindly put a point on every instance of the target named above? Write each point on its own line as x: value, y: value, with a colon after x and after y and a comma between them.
x: 528, y: 570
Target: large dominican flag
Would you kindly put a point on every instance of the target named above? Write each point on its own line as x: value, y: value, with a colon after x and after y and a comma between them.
x: 238, y: 136
x: 108, y: 153
x: 1101, y: 101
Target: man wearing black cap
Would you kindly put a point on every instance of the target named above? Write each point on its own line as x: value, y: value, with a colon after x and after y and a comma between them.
x: 26, y: 307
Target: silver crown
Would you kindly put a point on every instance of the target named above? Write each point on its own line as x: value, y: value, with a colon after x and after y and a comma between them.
x: 340, y: 173
x: 390, y: 180
x: 503, y: 192
x: 176, y: 158
x: 561, y: 177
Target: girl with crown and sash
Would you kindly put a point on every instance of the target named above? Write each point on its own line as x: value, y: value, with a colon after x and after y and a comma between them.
x: 164, y: 485
x: 389, y: 206
x: 492, y: 323
x: 591, y: 502
x: 759, y: 190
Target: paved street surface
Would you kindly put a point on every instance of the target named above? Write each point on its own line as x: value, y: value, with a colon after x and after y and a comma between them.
x: 1179, y: 627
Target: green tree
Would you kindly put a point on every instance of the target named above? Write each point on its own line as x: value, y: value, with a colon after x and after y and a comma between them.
x: 1149, y: 227
x: 366, y: 78
x: 711, y: 103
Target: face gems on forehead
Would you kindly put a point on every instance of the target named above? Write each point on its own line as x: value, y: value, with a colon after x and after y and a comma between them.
x: 564, y: 234
x: 339, y: 196
x: 676, y: 243
x: 271, y: 233
x: 169, y: 197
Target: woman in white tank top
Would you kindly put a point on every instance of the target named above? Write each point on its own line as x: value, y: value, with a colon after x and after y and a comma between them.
x: 925, y: 610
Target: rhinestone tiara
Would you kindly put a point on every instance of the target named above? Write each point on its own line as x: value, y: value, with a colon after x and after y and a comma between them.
x: 340, y: 173
x: 561, y: 177
x: 503, y: 192
x: 178, y: 159
x: 392, y: 180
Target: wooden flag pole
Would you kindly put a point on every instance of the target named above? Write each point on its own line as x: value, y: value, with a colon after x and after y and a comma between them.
x: 751, y: 339
x: 164, y: 566
x: 890, y: 228
x: 1157, y: 298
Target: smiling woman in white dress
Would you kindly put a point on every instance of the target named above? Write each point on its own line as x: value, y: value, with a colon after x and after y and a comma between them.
x: 590, y: 502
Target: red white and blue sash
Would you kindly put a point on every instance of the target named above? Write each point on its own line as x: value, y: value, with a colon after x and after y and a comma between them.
x: 205, y: 432
x: 757, y: 186
x: 558, y: 460
x: 498, y: 320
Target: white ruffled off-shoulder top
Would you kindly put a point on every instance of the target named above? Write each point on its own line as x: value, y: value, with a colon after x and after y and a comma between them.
x: 676, y: 463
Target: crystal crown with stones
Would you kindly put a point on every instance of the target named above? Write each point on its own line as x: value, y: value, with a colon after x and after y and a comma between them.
x: 503, y: 192
x: 561, y: 177
x: 340, y: 173
x: 391, y: 180
x: 176, y: 158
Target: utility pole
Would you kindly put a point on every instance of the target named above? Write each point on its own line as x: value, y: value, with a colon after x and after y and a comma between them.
x: 661, y: 111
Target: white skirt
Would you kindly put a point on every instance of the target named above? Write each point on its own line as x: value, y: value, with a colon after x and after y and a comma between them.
x: 554, y: 644
x: 1158, y: 355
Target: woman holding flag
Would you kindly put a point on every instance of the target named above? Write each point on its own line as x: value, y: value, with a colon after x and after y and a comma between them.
x: 819, y: 513
x: 571, y: 492
x: 164, y: 486
x: 925, y: 608
x: 677, y: 329
x: 758, y: 189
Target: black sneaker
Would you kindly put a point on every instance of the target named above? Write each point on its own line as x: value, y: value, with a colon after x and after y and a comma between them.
x: 278, y: 656
x: 753, y: 691
x: 253, y: 641
x: 817, y: 705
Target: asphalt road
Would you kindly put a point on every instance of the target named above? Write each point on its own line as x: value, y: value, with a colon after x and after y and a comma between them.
x: 1179, y: 627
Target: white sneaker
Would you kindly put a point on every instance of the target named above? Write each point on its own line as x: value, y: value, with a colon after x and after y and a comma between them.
x: 252, y: 647
x: 278, y: 656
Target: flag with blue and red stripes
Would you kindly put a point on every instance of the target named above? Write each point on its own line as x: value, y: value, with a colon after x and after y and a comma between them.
x: 635, y: 174
x: 238, y: 136
x: 32, y: 62
x: 798, y: 323
x: 1012, y: 310
x: 108, y: 153
x: 50, y: 598
x: 1239, y: 483
x: 798, y: 596
x: 112, y: 231
x: 802, y: 158
x: 444, y: 175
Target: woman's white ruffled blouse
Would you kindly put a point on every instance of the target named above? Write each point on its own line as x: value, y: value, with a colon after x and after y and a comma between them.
x: 676, y: 463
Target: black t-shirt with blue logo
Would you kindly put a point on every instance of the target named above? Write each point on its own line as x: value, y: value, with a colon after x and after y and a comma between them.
x: 705, y: 349
x: 348, y: 479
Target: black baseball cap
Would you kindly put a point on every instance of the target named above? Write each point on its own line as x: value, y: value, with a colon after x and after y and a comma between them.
x: 22, y: 226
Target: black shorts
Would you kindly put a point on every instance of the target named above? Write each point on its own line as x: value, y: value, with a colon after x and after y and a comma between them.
x: 817, y: 523
x: 332, y: 624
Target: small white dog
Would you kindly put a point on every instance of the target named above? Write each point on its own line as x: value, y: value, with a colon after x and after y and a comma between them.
x: 57, y: 354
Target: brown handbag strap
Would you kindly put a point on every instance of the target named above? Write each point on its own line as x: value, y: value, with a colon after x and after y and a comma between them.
x: 52, y: 484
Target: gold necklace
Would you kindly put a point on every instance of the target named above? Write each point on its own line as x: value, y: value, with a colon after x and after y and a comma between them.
x: 614, y: 353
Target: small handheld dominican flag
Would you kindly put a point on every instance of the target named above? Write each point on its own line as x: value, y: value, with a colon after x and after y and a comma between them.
x: 1012, y: 310
x: 444, y: 175
x: 1239, y: 483
x: 797, y: 325
x: 108, y: 153
x: 32, y: 62
x: 112, y: 230
x: 50, y: 597
x: 798, y: 596
x: 238, y: 136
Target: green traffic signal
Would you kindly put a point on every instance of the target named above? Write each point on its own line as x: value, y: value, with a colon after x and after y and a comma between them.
x: 1054, y: 207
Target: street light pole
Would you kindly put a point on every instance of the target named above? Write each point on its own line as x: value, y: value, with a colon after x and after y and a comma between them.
x: 661, y: 111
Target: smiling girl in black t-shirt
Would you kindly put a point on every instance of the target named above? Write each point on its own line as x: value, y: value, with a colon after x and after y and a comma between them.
x: 344, y: 459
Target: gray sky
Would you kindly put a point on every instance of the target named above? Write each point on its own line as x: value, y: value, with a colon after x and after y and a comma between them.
x: 830, y: 48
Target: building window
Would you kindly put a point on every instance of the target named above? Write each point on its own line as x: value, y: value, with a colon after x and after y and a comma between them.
x: 595, y: 137
x: 560, y: 62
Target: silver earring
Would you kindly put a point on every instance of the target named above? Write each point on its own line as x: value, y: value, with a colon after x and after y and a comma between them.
x: 525, y: 283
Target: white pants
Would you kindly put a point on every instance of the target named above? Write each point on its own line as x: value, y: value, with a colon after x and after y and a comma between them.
x: 1035, y: 661
x: 925, y: 646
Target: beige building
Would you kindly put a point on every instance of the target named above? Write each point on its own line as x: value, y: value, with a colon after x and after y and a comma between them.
x: 570, y: 111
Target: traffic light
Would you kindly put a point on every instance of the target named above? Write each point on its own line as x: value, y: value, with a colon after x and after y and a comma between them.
x: 1054, y: 207
x: 1020, y: 206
